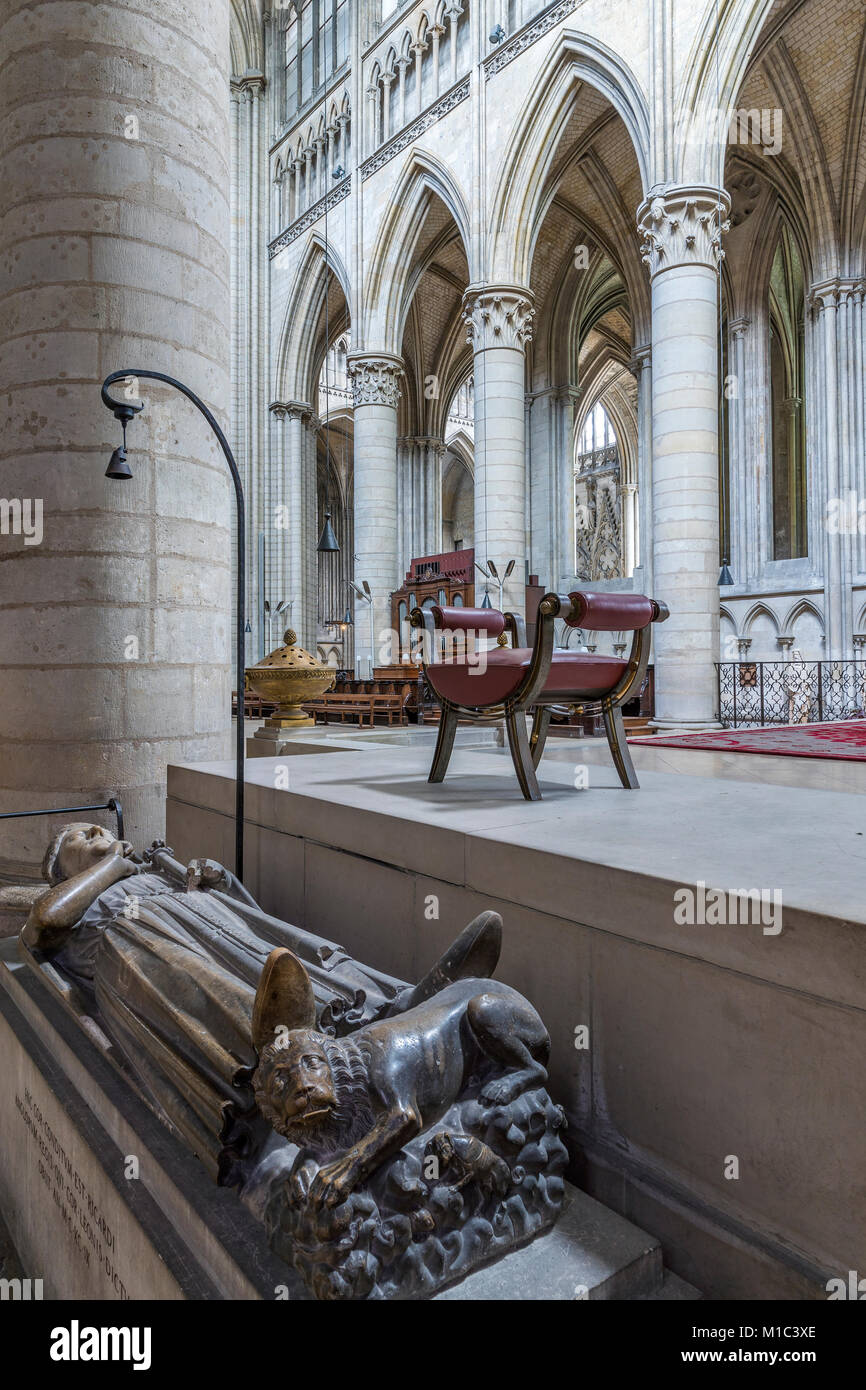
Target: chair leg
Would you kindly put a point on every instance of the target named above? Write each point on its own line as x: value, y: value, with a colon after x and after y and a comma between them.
x: 444, y: 744
x: 615, y: 730
x: 521, y: 756
x: 538, y: 737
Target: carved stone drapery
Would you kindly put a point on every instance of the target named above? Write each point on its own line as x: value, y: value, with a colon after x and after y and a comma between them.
x: 375, y: 380
x: 683, y: 226
x: 498, y: 316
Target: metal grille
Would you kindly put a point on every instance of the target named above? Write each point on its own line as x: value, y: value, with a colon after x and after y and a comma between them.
x: 752, y: 693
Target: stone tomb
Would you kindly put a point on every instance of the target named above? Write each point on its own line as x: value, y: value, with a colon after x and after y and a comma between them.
x: 103, y: 1202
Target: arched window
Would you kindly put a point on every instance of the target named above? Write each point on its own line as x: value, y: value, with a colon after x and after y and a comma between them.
x: 788, y: 403
x: 317, y: 43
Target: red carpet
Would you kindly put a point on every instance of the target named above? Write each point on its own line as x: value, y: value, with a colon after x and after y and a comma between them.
x: 843, y: 738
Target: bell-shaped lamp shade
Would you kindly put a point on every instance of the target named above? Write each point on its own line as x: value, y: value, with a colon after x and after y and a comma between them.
x: 725, y: 577
x: 348, y: 620
x: 118, y: 467
x: 327, y: 540
x: 485, y: 602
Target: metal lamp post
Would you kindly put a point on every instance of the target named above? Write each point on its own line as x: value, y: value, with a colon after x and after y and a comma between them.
x: 119, y: 469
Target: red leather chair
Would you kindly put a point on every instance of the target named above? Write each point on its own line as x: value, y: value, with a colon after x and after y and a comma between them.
x: 514, y: 680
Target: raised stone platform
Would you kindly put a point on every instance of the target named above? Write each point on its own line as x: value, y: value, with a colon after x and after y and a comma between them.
x: 677, y: 1048
x: 103, y: 1202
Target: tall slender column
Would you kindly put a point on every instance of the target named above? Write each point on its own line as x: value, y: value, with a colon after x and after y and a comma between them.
x: 742, y: 470
x: 115, y: 602
x: 641, y: 369
x: 499, y: 324
x: 290, y: 571
x: 681, y: 229
x: 836, y: 306
x: 376, y: 393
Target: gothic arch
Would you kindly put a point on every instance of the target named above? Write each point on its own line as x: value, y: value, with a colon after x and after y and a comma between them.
x: 295, y: 377
x: 529, y: 156
x: 246, y: 37
x: 698, y: 145
x: 392, y: 264
x: 759, y: 610
x: 803, y: 605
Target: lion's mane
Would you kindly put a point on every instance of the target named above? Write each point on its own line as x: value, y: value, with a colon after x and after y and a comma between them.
x: 353, y: 1115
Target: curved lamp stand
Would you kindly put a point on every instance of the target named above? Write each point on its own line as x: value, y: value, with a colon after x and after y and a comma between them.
x: 118, y: 468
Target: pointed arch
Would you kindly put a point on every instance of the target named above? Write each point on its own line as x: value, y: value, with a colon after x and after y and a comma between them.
x: 295, y: 363
x: 392, y: 262
x: 759, y: 610
x: 531, y: 151
x: 802, y: 605
x: 700, y: 138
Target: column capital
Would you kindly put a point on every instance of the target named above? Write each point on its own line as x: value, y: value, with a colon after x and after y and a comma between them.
x: 375, y: 378
x: 640, y: 361
x: 248, y: 86
x: 683, y: 225
x: 738, y: 328
x: 291, y: 410
x: 498, y: 316
x: 829, y: 294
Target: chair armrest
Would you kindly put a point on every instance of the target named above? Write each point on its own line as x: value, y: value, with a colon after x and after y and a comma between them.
x: 611, y: 612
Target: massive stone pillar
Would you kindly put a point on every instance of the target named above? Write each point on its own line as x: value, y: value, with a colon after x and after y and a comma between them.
x: 376, y: 393
x: 115, y: 627
x: 250, y: 316
x: 499, y: 324
x: 681, y: 230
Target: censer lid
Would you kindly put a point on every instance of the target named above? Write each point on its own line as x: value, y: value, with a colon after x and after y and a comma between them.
x: 289, y: 656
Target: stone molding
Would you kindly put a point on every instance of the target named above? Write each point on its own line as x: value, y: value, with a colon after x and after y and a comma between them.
x: 498, y: 316
x: 526, y: 37
x: 292, y: 410
x: 829, y: 294
x: 683, y: 226
x: 311, y: 216
x: 375, y: 379
x: 249, y: 86
x: 413, y: 132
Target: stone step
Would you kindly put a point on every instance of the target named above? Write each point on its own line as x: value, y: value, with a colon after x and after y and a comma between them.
x: 591, y: 1253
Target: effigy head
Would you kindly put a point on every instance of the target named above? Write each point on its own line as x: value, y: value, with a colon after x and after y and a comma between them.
x: 294, y: 1084
x: 76, y: 847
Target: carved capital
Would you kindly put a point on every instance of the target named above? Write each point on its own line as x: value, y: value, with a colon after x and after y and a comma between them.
x: 498, y: 316
x: 829, y: 294
x: 683, y: 226
x: 291, y: 410
x: 375, y: 380
x: 641, y: 360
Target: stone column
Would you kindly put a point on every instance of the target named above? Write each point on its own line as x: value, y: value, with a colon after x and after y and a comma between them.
x: 115, y: 624
x: 250, y: 286
x: 419, y: 499
x: 499, y: 324
x: 376, y: 392
x: 641, y: 369
x: 681, y: 229
x: 629, y: 527
x: 743, y: 473
x: 290, y: 566
x: 835, y: 346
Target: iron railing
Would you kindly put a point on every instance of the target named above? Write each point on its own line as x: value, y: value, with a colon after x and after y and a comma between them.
x: 752, y: 693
